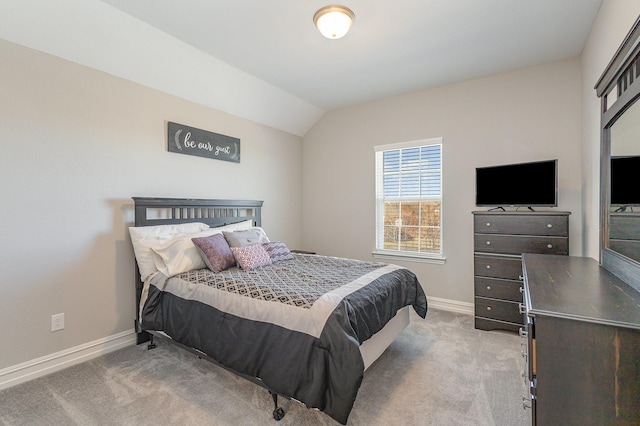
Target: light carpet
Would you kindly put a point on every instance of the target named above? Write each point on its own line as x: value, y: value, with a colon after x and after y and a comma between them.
x: 439, y: 371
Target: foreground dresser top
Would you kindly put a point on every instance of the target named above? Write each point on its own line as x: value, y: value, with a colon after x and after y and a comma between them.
x: 578, y: 288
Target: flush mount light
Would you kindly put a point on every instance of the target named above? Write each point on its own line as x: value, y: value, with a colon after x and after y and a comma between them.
x: 334, y: 21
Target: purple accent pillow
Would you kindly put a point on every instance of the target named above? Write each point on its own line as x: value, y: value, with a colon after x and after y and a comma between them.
x: 251, y: 257
x: 277, y: 251
x: 215, y: 252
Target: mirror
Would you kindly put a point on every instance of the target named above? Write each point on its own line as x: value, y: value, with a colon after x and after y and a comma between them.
x: 624, y: 184
x: 619, y: 89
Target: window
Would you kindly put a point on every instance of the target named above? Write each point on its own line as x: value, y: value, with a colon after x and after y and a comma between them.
x: 409, y: 200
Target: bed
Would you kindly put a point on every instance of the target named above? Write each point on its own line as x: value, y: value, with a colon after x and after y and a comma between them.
x: 303, y: 326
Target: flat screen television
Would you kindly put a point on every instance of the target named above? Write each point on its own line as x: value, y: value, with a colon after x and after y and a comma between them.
x: 532, y: 184
x: 624, y: 181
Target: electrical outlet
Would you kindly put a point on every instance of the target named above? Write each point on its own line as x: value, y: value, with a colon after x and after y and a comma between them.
x: 57, y: 322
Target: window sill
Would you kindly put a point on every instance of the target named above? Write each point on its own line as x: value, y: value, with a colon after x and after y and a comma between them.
x: 440, y: 260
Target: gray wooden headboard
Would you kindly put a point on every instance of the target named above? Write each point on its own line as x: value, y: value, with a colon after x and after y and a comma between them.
x: 162, y: 211
x: 165, y: 211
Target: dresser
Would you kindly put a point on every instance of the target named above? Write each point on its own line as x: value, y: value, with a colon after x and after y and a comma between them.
x: 500, y: 238
x: 581, y: 343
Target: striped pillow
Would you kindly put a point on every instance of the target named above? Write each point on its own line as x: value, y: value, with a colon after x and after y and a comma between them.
x: 277, y: 251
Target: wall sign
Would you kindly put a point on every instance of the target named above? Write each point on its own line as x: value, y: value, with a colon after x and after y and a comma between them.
x: 191, y: 141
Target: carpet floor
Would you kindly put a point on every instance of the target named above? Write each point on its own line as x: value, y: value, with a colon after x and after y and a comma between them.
x: 439, y: 371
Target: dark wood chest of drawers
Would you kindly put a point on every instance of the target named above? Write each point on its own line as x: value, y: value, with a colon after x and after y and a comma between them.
x: 500, y: 238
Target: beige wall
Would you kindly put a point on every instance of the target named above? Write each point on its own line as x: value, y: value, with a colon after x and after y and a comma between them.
x: 76, y: 145
x: 612, y: 24
x: 527, y: 115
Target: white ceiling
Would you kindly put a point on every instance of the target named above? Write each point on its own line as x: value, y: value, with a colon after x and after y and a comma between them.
x: 394, y: 46
x: 265, y: 61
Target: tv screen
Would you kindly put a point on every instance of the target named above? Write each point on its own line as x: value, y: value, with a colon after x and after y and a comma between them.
x: 518, y: 185
x: 624, y: 178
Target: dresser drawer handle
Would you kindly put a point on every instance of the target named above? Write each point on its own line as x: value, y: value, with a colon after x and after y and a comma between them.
x: 489, y: 287
x: 488, y: 308
x: 488, y: 266
x: 488, y: 223
x: 549, y: 226
x: 549, y: 246
x: 488, y: 243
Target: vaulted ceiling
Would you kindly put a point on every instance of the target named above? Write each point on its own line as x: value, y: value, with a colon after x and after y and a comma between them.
x: 265, y: 60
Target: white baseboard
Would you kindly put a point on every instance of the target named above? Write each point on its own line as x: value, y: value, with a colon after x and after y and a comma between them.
x: 48, y: 364
x: 451, y: 305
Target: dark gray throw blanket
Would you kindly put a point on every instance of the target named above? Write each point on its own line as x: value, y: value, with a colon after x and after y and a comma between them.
x: 297, y: 324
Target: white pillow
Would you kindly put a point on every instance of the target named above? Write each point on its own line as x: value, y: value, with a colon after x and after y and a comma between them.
x: 144, y: 238
x: 166, y: 231
x: 245, y: 224
x: 179, y: 254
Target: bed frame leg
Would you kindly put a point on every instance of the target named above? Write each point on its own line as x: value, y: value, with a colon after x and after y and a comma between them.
x: 278, y: 412
x: 151, y: 345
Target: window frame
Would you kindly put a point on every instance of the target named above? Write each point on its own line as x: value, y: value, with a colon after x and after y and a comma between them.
x: 391, y: 254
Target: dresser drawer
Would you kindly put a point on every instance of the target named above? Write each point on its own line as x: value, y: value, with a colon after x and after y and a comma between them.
x: 482, y: 323
x: 628, y: 248
x: 624, y: 226
x: 518, y: 244
x: 522, y: 224
x: 498, y: 289
x: 499, y: 310
x: 497, y: 267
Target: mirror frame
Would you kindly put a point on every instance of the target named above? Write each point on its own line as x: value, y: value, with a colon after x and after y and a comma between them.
x: 620, y: 84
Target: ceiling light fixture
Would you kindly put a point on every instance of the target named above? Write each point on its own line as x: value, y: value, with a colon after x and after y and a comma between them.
x: 334, y: 21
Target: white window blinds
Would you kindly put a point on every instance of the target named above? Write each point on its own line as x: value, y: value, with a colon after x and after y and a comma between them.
x: 409, y: 198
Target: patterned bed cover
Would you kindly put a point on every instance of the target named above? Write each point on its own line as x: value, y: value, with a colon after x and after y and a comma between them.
x: 296, y: 325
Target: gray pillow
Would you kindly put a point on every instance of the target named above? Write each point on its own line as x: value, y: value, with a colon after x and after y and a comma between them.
x: 247, y: 237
